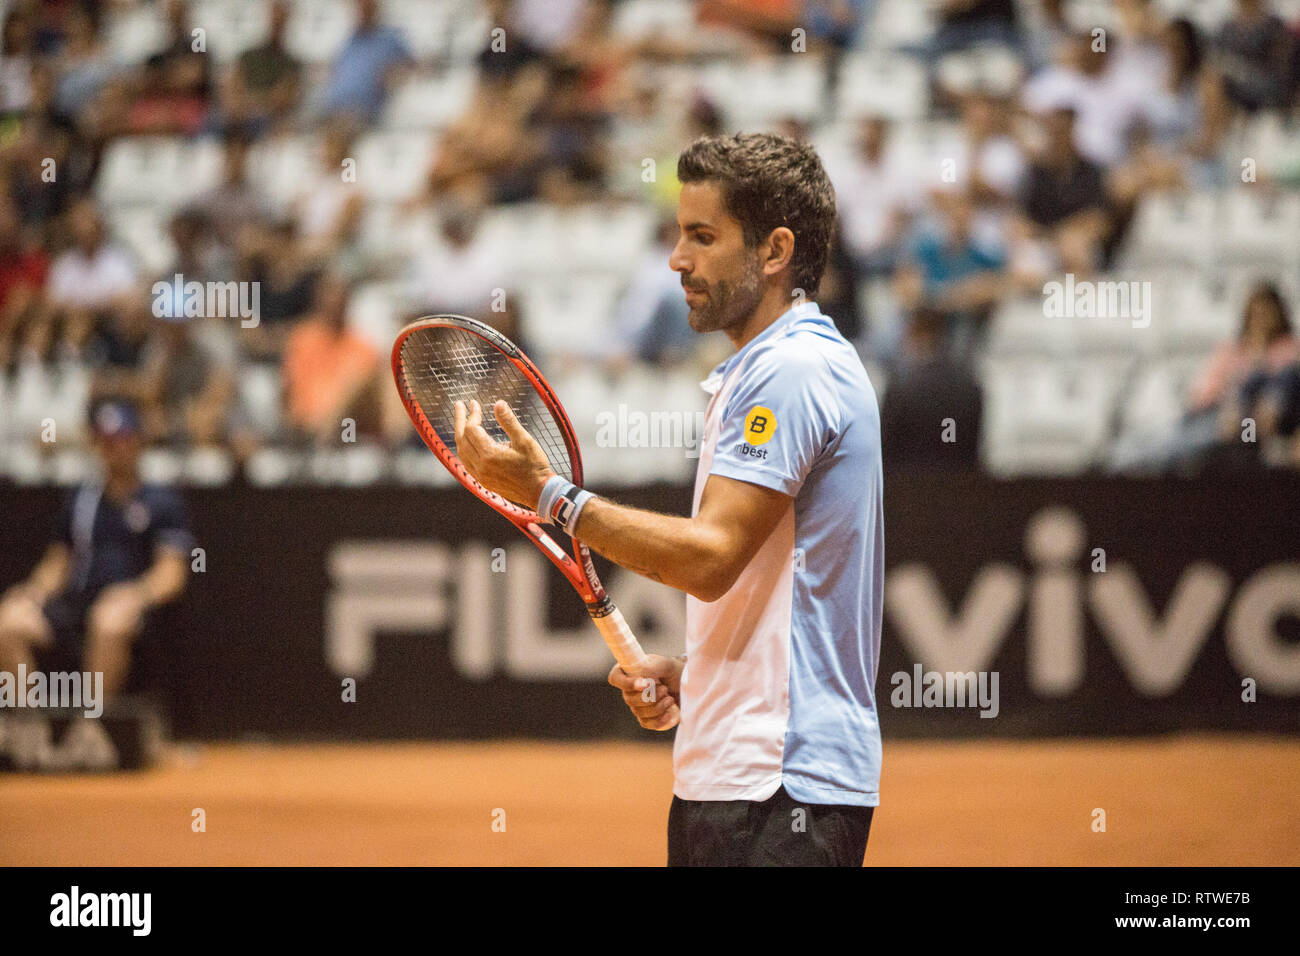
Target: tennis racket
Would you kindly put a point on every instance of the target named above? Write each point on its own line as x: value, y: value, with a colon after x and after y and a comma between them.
x: 443, y: 359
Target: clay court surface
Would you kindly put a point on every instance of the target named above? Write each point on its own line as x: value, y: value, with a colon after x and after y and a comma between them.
x: 1189, y: 800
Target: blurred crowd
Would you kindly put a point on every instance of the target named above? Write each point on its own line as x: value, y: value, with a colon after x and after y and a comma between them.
x: 1050, y: 138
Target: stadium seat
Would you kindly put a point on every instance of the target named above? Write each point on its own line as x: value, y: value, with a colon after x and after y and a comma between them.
x: 1019, y: 328
x: 606, y: 236
x: 1191, y: 316
x: 207, y: 467
x: 430, y: 100
x: 280, y: 165
x: 232, y: 26
x: 392, y: 165
x: 41, y: 393
x: 467, y: 34
x: 890, y: 85
x: 424, y: 24
x: 1047, y: 417
x: 1155, y: 400
x: 161, y: 466
x: 640, y: 18
x: 69, y: 467
x: 142, y: 229
x: 318, y: 30
x: 134, y: 32
x: 900, y: 23
x: 763, y: 93
x: 1174, y: 228
x: 139, y: 169
x: 202, y: 161
x: 1208, y: 15
x: 1259, y: 226
x: 258, y: 395
x: 567, y: 313
x: 1087, y: 15
x: 1236, y: 285
x: 389, y: 234
x: 526, y: 238
x: 375, y: 313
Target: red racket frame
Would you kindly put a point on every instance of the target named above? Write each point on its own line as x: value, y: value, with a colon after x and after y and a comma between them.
x: 578, y: 567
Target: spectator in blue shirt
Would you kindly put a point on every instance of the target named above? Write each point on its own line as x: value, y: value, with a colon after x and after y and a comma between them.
x: 363, y: 73
x: 951, y: 270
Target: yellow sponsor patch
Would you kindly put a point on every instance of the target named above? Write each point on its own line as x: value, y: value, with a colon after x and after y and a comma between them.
x: 760, y: 425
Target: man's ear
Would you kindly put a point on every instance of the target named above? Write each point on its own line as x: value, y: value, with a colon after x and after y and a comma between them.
x: 780, y: 250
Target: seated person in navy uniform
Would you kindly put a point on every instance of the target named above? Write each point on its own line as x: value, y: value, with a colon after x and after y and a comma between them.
x: 120, y: 551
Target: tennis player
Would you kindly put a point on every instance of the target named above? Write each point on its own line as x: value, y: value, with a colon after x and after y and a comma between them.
x: 777, y: 756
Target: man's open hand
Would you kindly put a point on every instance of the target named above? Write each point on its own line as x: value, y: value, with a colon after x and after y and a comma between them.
x: 517, y: 469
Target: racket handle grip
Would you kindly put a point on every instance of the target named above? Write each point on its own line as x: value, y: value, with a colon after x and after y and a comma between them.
x: 614, y: 629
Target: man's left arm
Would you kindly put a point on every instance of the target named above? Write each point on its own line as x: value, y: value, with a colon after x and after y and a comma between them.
x: 702, y: 555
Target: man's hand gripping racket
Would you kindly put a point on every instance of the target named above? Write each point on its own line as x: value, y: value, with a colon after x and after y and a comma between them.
x: 489, y: 416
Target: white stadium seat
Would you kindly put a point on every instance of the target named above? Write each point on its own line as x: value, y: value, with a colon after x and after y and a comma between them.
x: 1047, y: 416
x: 232, y: 26
x: 317, y: 30
x: 526, y: 238
x: 423, y: 24
x: 142, y: 229
x: 767, y: 91
x: 639, y: 18
x: 1260, y: 226
x: 138, y: 169
x: 392, y: 165
x: 568, y: 313
x: 281, y: 165
x: 1175, y: 228
x: 887, y: 85
x: 375, y: 311
x: 607, y: 236
x: 389, y: 233
x: 430, y: 100
x: 899, y: 23
x: 135, y: 33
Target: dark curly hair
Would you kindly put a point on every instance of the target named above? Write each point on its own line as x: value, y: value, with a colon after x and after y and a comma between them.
x: 769, y: 181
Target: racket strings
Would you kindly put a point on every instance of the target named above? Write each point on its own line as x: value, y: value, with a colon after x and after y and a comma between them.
x: 442, y: 366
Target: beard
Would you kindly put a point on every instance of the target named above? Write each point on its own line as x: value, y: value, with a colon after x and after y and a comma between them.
x: 727, y: 303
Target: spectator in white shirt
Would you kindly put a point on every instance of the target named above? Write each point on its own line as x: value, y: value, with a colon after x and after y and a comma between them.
x: 1104, y: 102
x: 460, y: 273
x: 877, y: 191
x: 87, y: 279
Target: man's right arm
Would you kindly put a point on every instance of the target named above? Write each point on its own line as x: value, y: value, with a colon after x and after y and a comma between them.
x: 50, y: 575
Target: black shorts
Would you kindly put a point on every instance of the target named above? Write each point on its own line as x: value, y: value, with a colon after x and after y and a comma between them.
x: 772, y: 832
x: 66, y: 613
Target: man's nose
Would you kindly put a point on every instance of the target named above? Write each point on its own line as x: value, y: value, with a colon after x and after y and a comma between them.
x: 677, y: 261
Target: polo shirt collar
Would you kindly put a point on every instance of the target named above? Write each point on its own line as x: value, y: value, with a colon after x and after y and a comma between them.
x: 804, y: 310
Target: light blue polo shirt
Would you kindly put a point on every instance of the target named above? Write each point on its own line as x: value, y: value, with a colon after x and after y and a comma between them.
x: 779, y: 683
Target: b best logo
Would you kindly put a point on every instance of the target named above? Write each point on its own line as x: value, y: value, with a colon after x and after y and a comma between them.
x: 760, y: 426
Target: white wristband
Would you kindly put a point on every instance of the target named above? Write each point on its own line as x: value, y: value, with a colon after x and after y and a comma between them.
x: 561, y: 502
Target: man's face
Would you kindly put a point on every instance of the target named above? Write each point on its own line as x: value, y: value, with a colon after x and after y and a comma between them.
x: 723, y: 279
x: 119, y: 453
